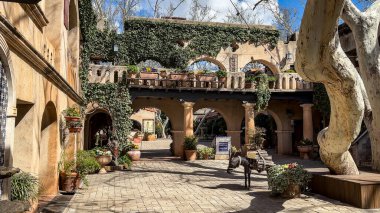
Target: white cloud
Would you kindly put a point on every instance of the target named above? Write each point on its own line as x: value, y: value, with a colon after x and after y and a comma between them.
x: 220, y: 7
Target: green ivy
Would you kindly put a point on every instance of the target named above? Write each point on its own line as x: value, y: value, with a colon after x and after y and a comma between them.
x: 163, y: 41
x: 262, y: 92
x: 113, y: 97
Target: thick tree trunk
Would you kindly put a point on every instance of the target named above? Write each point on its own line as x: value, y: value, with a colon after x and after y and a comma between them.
x: 365, y: 28
x: 320, y: 58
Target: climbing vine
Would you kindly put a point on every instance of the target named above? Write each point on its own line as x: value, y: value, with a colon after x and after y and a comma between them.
x: 262, y: 92
x: 175, y: 43
x: 113, y: 97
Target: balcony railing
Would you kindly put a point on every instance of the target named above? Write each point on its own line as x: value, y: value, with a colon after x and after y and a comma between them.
x: 233, y: 81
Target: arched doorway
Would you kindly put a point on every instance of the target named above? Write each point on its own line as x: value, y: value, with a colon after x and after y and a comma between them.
x: 48, y: 148
x: 98, y: 129
x: 155, y: 130
x: 209, y: 123
x: 265, y: 121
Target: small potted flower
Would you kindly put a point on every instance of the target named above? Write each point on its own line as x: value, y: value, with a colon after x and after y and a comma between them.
x: 104, y: 157
x: 190, y: 147
x: 126, y: 161
x: 74, y: 126
x: 134, y: 153
x: 272, y: 81
x: 288, y: 180
x: 191, y: 74
x: 206, y: 153
x: 72, y: 114
x: 250, y: 82
x: 222, y: 76
x: 132, y: 71
x: 305, y: 146
x: 163, y: 74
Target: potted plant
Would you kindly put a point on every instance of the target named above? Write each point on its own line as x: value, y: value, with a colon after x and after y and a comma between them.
x: 104, y: 157
x: 250, y: 82
x: 205, y: 152
x: 163, y: 74
x: 191, y: 74
x: 69, y: 179
x: 25, y: 187
x: 74, y: 126
x: 132, y: 71
x: 288, y: 180
x: 272, y: 81
x: 150, y: 136
x: 305, y: 146
x: 125, y: 161
x: 190, y: 147
x: 86, y: 163
x: 72, y: 114
x: 134, y: 152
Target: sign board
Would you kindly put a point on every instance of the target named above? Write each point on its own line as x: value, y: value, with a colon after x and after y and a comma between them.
x: 222, y: 145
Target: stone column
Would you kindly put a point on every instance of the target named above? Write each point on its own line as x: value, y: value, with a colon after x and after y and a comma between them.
x: 178, y: 140
x: 307, y: 121
x: 188, y: 118
x: 249, y: 120
x: 235, y: 137
x: 284, y: 142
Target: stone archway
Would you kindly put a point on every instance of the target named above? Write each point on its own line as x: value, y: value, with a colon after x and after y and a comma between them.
x: 98, y: 119
x: 209, y: 59
x: 48, y: 151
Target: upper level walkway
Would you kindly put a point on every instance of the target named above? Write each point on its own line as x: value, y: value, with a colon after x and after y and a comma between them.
x: 234, y: 82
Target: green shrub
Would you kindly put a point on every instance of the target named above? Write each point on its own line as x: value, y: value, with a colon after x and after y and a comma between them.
x: 72, y: 112
x: 86, y: 164
x: 191, y: 143
x: 281, y: 176
x: 124, y: 160
x: 133, y: 69
x: 24, y: 187
x: 221, y: 73
x: 206, y: 151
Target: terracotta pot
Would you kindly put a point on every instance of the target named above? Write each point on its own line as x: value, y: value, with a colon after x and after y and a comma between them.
x: 72, y: 118
x: 151, y: 138
x: 292, y: 191
x: 304, y: 151
x: 75, y: 129
x: 191, y: 155
x: 163, y: 74
x: 205, y: 157
x: 104, y: 160
x: 191, y: 76
x: 69, y: 182
x: 134, y: 155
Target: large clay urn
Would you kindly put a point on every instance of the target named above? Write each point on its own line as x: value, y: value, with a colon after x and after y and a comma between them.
x: 103, y: 160
x: 134, y: 155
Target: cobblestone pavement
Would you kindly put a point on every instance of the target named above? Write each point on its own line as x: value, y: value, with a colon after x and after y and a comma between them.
x: 200, y: 186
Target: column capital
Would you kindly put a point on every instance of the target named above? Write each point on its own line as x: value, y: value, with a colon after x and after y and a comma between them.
x: 306, y: 106
x: 12, y: 112
x: 188, y: 104
x: 248, y: 105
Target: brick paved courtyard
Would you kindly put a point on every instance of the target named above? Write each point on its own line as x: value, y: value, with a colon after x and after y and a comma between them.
x: 200, y: 186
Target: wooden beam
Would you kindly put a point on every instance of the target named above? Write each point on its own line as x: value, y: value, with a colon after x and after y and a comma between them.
x: 24, y: 1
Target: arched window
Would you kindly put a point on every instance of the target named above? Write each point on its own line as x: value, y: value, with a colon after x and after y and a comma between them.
x: 115, y: 76
x: 203, y: 65
x: 254, y: 67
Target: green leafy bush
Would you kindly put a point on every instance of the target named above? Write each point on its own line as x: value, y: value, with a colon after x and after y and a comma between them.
x: 281, y: 176
x: 221, y: 73
x: 124, y: 160
x: 205, y: 152
x: 24, y: 187
x: 191, y: 143
x: 86, y: 164
x: 72, y: 112
x: 132, y: 69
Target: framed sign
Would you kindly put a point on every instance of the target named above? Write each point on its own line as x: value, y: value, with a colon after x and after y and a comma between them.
x: 222, y: 145
x: 148, y: 125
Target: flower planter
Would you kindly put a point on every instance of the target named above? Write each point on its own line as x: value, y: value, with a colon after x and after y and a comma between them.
x: 163, y: 74
x: 149, y: 75
x: 69, y: 182
x: 178, y: 76
x: 103, y: 160
x: 151, y: 138
x: 75, y: 129
x: 191, y: 155
x: 304, y: 151
x: 71, y: 118
x: 134, y: 155
x: 202, y: 77
x: 293, y: 191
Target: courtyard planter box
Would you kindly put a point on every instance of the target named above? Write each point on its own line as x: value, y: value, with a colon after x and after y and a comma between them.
x: 149, y: 75
x: 178, y: 76
x: 206, y: 77
x: 134, y: 155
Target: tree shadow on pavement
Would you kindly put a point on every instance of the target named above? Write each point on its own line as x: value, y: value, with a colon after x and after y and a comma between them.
x: 263, y: 202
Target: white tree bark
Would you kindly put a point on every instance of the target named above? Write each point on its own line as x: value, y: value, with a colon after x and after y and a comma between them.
x: 365, y: 28
x: 320, y: 58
